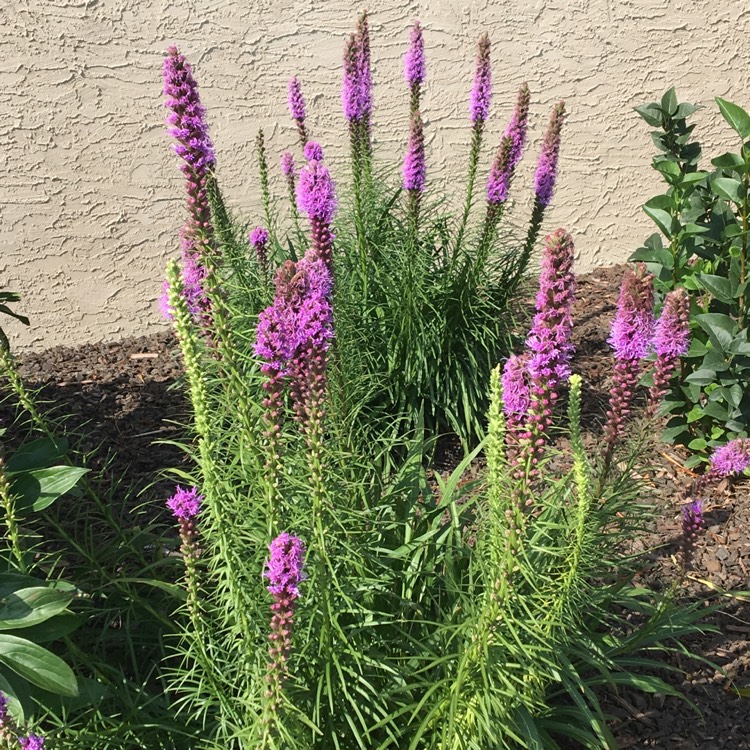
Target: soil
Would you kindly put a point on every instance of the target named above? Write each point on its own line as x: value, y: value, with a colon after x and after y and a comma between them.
x: 125, y: 395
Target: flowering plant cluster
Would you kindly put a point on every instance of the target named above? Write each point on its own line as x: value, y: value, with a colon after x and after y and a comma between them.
x: 702, y: 249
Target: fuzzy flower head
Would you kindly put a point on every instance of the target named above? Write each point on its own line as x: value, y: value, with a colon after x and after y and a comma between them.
x: 31, y: 742
x: 186, y: 121
x: 287, y: 164
x: 545, y: 176
x: 481, y: 92
x: 415, y: 168
x: 498, y: 182
x: 692, y: 519
x: 516, y: 393
x: 633, y: 326
x: 259, y: 238
x: 518, y: 127
x: 284, y: 566
x: 185, y: 503
x: 313, y: 151
x: 316, y: 195
x: 415, y: 69
x: 295, y: 100
x: 301, y: 316
x: 550, y: 338
x: 732, y: 458
x: 672, y: 333
x: 3, y: 708
x: 356, y: 90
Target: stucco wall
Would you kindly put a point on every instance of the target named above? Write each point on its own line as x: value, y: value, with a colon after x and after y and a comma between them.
x: 91, y: 197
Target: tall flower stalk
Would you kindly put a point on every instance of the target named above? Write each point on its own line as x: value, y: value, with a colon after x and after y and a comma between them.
x: 297, y: 108
x: 316, y: 197
x: 545, y: 179
x: 265, y: 188
x: 479, y: 110
x: 259, y: 242
x: 671, y: 341
x: 503, y: 168
x: 547, y: 363
x: 186, y: 123
x: 415, y: 169
x: 631, y: 339
x: 284, y: 571
x: 415, y: 67
x: 185, y: 506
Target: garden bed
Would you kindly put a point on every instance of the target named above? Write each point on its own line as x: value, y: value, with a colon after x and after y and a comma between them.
x: 122, y: 396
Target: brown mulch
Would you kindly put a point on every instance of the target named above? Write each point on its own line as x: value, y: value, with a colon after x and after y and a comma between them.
x: 122, y: 396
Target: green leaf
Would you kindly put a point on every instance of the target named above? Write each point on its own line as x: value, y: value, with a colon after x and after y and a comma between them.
x: 37, y: 454
x: 661, y: 218
x: 730, y: 160
x: 27, y: 607
x: 651, y: 114
x: 720, y: 329
x: 53, y: 629
x: 669, y: 102
x: 701, y: 377
x: 736, y: 117
x: 716, y: 410
x: 719, y: 286
x: 699, y: 444
x: 37, y: 665
x: 37, y: 490
x: 729, y: 188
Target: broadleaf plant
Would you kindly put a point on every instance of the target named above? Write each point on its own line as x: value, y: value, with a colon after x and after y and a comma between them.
x: 702, y: 246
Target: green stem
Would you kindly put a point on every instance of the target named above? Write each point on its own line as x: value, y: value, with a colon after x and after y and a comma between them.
x: 476, y: 146
x: 11, y: 520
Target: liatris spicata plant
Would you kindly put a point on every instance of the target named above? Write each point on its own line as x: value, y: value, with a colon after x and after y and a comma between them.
x: 631, y: 339
x: 265, y: 189
x: 415, y: 66
x: 185, y: 506
x: 284, y: 571
x: 479, y: 110
x: 504, y: 166
x: 415, y: 168
x: 671, y: 341
x: 549, y: 342
x: 316, y: 197
x: 297, y: 108
x: 259, y: 240
x: 545, y: 178
x: 692, y: 525
x: 732, y: 458
x: 187, y: 125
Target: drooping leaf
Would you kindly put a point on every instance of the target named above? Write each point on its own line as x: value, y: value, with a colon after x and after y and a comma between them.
x: 37, y: 665
x: 38, y: 489
x: 738, y: 119
x: 31, y: 606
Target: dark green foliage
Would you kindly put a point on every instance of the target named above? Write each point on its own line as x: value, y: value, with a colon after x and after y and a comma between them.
x: 703, y: 215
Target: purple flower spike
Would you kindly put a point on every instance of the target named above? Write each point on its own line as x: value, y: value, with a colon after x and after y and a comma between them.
x: 185, y: 504
x: 732, y: 458
x: 518, y: 127
x: 186, y: 121
x: 481, y: 92
x: 284, y: 567
x: 498, y: 182
x: 350, y: 98
x: 258, y: 237
x: 415, y: 69
x: 546, y: 170
x: 3, y: 708
x: 415, y: 168
x: 672, y: 334
x: 692, y: 525
x: 313, y: 151
x: 296, y: 100
x: 316, y: 195
x: 633, y: 327
x: 32, y: 742
x: 671, y: 341
x: 287, y: 165
x: 365, y: 69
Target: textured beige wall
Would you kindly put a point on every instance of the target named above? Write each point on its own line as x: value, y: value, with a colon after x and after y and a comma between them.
x: 90, y: 195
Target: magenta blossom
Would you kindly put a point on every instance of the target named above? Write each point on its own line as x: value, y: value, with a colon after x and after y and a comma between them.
x: 633, y: 327
x: 31, y: 742
x: 415, y: 168
x: 296, y: 100
x: 316, y: 195
x: 732, y: 458
x: 287, y: 164
x: 545, y: 176
x: 185, y: 503
x: 258, y: 237
x: 516, y: 393
x: 284, y: 566
x: 415, y: 69
x: 313, y: 151
x: 481, y: 93
x: 672, y: 332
